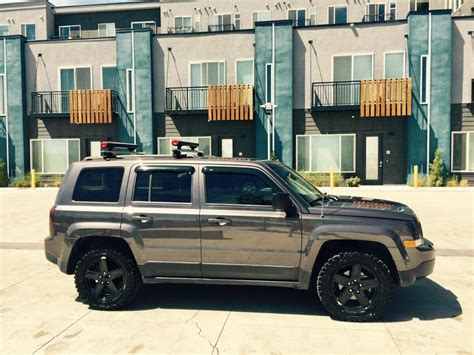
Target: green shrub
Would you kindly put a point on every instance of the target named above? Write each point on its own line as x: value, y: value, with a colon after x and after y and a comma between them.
x: 464, y: 183
x: 25, y: 181
x: 452, y: 181
x: 3, y: 174
x: 437, y: 173
x: 323, y: 179
x: 353, y: 181
x: 273, y: 156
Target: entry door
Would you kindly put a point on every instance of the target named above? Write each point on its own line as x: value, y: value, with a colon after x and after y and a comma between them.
x: 373, y: 159
x: 242, y: 236
x: 227, y: 147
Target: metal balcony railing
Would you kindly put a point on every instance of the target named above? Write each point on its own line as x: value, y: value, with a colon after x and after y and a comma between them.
x: 58, y: 103
x: 182, y: 29
x: 335, y: 95
x: 221, y: 28
x: 186, y: 99
x: 379, y: 17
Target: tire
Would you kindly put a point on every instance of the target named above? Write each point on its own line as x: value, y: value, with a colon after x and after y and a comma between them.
x: 360, y: 301
x: 107, y: 279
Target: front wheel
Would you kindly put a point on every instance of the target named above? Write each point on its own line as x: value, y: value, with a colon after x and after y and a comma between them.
x: 354, y: 286
x: 106, y: 279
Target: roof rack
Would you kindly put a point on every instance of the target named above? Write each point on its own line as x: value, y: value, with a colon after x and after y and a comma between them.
x: 180, y: 153
x: 109, y: 149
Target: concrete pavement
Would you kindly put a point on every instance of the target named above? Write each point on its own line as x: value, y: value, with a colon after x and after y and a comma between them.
x: 40, y: 313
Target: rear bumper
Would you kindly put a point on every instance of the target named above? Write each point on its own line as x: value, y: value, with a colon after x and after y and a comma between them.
x: 424, y: 259
x: 56, y: 252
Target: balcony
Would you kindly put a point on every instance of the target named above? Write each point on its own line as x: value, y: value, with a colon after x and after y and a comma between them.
x: 372, y: 98
x: 220, y: 102
x: 183, y: 29
x: 82, y: 106
x: 379, y: 17
x: 221, y: 28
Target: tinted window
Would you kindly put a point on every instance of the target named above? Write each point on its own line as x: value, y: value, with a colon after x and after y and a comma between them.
x: 238, y: 186
x: 164, y: 185
x: 98, y: 185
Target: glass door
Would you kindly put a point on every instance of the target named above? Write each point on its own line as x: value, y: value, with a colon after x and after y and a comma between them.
x: 373, y: 159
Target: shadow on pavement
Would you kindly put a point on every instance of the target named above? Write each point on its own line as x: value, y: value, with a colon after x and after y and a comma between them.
x: 426, y: 300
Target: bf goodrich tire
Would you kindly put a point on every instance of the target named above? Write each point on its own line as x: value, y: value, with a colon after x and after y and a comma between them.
x: 106, y: 279
x: 354, y: 286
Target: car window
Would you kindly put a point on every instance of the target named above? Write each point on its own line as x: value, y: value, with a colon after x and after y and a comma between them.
x: 238, y: 186
x: 164, y: 184
x: 98, y: 185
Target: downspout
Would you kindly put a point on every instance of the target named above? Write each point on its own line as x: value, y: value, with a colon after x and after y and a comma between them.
x: 273, y: 88
x: 6, y: 105
x: 134, y: 90
x: 428, y: 91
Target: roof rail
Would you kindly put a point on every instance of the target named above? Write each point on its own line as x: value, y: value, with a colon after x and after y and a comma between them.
x: 109, y: 149
x: 180, y: 153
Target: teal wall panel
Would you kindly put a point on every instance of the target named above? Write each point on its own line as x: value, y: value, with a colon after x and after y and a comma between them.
x: 283, y: 88
x: 143, y: 87
x: 440, y: 88
x: 12, y: 63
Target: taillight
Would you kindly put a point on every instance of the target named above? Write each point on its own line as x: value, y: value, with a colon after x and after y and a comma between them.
x: 52, y: 217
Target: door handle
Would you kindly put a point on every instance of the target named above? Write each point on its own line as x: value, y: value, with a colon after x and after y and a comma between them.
x: 219, y: 220
x: 142, y: 219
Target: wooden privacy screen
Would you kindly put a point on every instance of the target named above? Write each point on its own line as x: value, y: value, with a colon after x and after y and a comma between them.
x: 230, y: 102
x: 90, y: 106
x: 385, y: 97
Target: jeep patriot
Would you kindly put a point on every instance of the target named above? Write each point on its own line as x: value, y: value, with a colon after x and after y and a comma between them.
x: 123, y: 220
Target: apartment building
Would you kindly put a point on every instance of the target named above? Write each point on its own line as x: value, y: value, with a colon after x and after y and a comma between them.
x: 366, y: 88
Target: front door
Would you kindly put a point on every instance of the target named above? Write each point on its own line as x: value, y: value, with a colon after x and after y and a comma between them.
x: 162, y: 213
x: 242, y: 235
x: 227, y: 147
x: 373, y: 159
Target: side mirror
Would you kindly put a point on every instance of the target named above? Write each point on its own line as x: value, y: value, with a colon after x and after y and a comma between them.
x: 282, y: 202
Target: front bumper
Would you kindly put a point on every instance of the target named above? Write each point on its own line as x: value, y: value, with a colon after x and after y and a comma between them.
x: 423, y: 257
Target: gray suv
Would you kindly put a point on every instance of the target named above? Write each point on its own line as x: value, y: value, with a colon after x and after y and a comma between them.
x: 123, y: 220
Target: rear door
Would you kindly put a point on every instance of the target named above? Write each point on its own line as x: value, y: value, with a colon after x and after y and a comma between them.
x: 163, y: 213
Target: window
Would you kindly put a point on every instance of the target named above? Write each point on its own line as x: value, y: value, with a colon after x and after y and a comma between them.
x: 237, y: 21
x: 170, y: 184
x: 392, y: 15
x: 394, y: 65
x: 238, y: 186
x: 197, y: 23
x: 298, y: 16
x: 337, y: 15
x: 3, y: 96
x: 374, y: 13
x: 106, y: 29
x: 53, y: 156
x: 75, y: 79
x: 419, y: 5
x: 165, y: 147
x: 98, y: 185
x: 130, y: 91
x: 326, y: 153
x: 144, y: 24
x: 352, y: 67
x: 109, y: 78
x: 268, y: 82
x: 261, y: 16
x: 202, y: 75
x: 222, y: 22
x: 424, y: 79
x: 4, y: 30
x: 70, y: 32
x: 462, y: 150
x: 312, y: 16
x: 183, y: 24
x: 244, y: 72
x: 29, y: 31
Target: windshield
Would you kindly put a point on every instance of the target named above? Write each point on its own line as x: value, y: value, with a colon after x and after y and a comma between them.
x: 297, y: 183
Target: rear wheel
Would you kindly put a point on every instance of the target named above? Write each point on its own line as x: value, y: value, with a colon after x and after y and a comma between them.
x: 354, y: 286
x: 106, y: 279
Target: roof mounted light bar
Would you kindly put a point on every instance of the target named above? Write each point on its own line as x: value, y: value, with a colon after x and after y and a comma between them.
x: 109, y: 149
x: 179, y: 153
